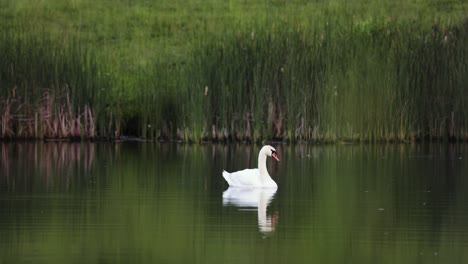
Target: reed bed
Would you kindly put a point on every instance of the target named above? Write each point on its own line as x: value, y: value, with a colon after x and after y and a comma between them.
x: 50, y: 88
x: 374, y: 82
x: 314, y: 80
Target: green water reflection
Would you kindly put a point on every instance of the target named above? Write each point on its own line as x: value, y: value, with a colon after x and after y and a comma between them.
x: 165, y: 203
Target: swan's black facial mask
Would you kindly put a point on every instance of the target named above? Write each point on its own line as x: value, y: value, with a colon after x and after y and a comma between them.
x: 273, y: 154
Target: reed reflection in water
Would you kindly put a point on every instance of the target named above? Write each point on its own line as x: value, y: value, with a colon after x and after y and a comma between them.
x: 66, y: 202
x: 68, y: 161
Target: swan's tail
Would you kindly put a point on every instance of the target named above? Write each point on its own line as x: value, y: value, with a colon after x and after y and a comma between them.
x: 227, y: 177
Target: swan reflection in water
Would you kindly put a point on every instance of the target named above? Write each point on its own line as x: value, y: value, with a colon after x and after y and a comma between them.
x: 249, y: 198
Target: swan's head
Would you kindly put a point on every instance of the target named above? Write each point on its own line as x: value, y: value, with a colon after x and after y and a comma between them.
x: 270, y: 151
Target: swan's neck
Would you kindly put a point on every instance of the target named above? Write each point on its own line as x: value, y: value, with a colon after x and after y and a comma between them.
x: 262, y: 168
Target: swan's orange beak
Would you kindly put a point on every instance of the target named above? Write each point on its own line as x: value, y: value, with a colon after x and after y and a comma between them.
x: 275, y: 156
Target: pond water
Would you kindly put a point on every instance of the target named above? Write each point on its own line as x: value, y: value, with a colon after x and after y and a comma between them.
x: 167, y: 203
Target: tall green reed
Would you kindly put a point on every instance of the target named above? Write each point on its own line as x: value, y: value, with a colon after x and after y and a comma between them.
x: 369, y: 82
x: 53, y: 87
x: 337, y: 79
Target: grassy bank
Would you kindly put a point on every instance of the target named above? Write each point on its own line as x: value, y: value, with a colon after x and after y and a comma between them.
x: 217, y: 70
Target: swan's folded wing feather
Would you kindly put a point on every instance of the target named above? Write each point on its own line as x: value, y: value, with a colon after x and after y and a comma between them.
x: 245, y: 178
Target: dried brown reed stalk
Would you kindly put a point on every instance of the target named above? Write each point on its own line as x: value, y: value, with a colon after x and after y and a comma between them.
x: 76, y: 127
x: 221, y: 134
x: 30, y: 125
x: 91, y: 127
x: 187, y: 135
x: 92, y: 130
x: 62, y: 123
x: 88, y: 122
x: 214, y: 134
x: 46, y: 115
x: 248, y: 129
x: 179, y: 135
x: 117, y: 128
x: 299, y: 133
x: 36, y: 128
x: 54, y: 125
x: 55, y: 128
x: 111, y: 119
x: 22, y: 123
x: 275, y: 118
x: 315, y: 133
x: 73, y: 128
x: 5, y: 159
x: 6, y: 118
x: 70, y: 109
x: 225, y: 134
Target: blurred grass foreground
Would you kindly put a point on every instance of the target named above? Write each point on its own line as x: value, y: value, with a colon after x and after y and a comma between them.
x: 315, y: 71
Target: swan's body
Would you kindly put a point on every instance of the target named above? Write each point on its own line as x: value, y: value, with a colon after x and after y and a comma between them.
x: 254, y: 178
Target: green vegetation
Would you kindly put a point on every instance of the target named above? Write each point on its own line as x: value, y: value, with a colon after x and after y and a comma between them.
x: 234, y: 70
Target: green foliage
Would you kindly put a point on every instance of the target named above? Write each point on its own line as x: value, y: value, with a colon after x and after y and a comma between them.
x: 197, y: 70
x: 380, y: 82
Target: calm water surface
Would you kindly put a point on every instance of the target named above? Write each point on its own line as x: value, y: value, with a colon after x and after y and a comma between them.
x: 165, y: 203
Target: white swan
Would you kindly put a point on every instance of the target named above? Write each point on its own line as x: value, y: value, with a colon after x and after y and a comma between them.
x: 257, y: 178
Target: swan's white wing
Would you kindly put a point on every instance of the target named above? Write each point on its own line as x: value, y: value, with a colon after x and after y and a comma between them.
x: 243, y: 178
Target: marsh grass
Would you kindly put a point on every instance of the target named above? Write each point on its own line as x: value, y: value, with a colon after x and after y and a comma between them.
x: 237, y: 73
x: 390, y: 82
x: 47, y: 87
